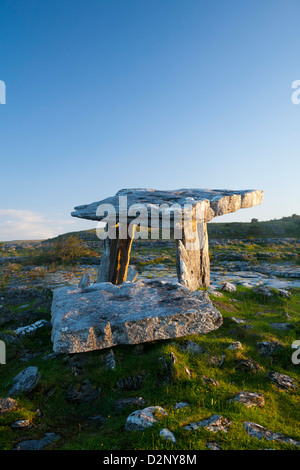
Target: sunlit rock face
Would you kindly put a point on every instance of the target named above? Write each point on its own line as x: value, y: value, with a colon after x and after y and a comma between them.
x: 106, y: 315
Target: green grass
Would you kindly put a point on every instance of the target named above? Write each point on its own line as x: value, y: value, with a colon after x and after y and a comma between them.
x: 280, y: 414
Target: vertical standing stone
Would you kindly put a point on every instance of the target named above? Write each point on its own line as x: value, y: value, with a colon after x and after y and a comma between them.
x: 115, y: 259
x: 192, y: 256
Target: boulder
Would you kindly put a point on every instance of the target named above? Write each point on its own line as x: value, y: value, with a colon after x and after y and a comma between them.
x: 259, y: 432
x: 249, y: 399
x: 142, y: 419
x: 25, y: 381
x: 215, y: 423
x: 106, y: 315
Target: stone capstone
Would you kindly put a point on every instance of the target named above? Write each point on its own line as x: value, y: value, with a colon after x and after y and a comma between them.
x: 106, y: 315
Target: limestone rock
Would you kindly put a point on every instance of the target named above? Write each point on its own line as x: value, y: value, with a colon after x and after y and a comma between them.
x: 142, y: 419
x: 31, y: 329
x: 235, y: 345
x: 249, y: 399
x: 229, y: 287
x: 25, y: 381
x: 7, y: 404
x: 84, y: 282
x: 167, y: 435
x: 38, y: 444
x: 210, y: 381
x: 23, y: 423
x: 215, y: 423
x: 132, y: 274
x: 213, y: 446
x: 130, y: 383
x: 193, y: 348
x: 259, y: 432
x: 249, y: 365
x: 282, y: 326
x: 109, y: 360
x: 180, y: 405
x: 131, y: 313
x: 268, y: 348
x: 83, y: 393
x: 282, y: 381
x: 125, y: 402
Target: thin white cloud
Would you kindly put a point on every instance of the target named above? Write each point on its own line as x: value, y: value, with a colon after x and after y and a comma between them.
x: 18, y: 224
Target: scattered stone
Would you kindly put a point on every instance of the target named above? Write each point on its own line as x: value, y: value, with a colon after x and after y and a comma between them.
x: 213, y: 446
x: 130, y: 383
x: 262, y: 290
x: 31, y: 329
x: 284, y: 293
x: 38, y: 444
x: 216, y: 360
x: 132, y: 274
x: 249, y: 365
x: 180, y: 405
x: 7, y: 404
x: 215, y: 423
x: 23, y: 423
x: 282, y: 326
x: 235, y: 345
x: 25, y: 381
x: 210, y: 381
x: 109, y: 360
x: 216, y: 293
x: 192, y: 348
x: 249, y: 399
x: 50, y: 356
x: 124, y: 402
x: 237, y: 320
x: 285, y: 382
x: 28, y: 356
x: 82, y: 393
x: 268, y: 348
x: 84, y: 282
x: 167, y: 435
x: 229, y: 287
x: 23, y: 295
x: 142, y: 419
x: 188, y: 372
x: 174, y: 359
x: 259, y: 432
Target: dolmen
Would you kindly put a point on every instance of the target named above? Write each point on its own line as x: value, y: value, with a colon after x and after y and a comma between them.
x: 115, y: 311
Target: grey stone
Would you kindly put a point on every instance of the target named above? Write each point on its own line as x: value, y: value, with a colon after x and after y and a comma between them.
x: 235, y: 345
x: 249, y: 399
x: 125, y: 402
x: 285, y: 382
x: 38, y: 444
x: 284, y: 293
x: 25, y: 381
x: 106, y: 315
x: 268, y: 348
x: 229, y: 287
x: 84, y: 282
x: 259, y: 432
x: 282, y: 326
x: 210, y: 381
x: 7, y: 404
x: 167, y: 435
x: 180, y: 405
x: 32, y: 329
x: 217, y: 361
x: 142, y: 419
x: 132, y: 274
x: 23, y: 423
x: 213, y: 446
x: 109, y: 360
x: 83, y: 393
x: 130, y: 383
x: 249, y: 365
x: 193, y: 348
x: 214, y: 423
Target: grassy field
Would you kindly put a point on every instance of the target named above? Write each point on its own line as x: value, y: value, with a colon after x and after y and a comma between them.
x: 281, y: 412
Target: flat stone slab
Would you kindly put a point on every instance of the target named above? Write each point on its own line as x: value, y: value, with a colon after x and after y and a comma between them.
x: 215, y: 202
x: 105, y: 315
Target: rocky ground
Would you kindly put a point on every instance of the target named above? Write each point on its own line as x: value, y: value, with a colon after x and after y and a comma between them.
x: 235, y: 388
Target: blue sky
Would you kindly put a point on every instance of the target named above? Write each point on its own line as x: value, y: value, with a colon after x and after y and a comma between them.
x: 107, y: 94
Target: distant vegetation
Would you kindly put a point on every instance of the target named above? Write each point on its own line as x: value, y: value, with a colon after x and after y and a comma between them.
x: 287, y: 227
